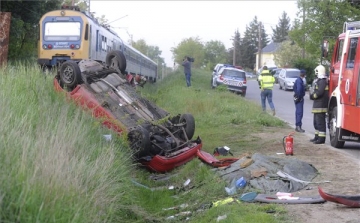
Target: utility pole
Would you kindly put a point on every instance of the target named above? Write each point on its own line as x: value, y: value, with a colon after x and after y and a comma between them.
x: 259, y: 47
x: 303, y: 24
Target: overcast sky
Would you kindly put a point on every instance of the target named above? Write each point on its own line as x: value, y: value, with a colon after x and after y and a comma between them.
x: 166, y: 23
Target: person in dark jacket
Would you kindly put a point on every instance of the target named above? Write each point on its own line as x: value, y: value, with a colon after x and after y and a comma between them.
x: 299, y: 93
x: 320, y: 95
x: 187, y: 70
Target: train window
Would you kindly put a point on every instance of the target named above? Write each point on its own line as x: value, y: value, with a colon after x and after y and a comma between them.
x: 62, y: 31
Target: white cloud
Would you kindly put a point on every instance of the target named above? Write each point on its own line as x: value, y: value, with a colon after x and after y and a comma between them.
x: 166, y: 23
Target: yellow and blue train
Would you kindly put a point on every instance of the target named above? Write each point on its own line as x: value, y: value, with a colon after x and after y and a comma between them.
x: 70, y: 34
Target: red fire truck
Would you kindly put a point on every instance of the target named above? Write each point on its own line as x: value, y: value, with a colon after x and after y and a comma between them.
x: 344, y: 87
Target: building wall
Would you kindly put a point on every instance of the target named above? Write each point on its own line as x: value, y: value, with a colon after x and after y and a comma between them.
x: 266, y: 59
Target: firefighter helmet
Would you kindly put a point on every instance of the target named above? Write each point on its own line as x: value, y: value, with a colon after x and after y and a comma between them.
x: 320, y: 71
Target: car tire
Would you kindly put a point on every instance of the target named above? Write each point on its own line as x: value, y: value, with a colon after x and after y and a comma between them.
x: 334, y: 131
x: 189, y: 126
x: 117, y: 60
x: 243, y: 94
x: 70, y: 74
x: 139, y: 141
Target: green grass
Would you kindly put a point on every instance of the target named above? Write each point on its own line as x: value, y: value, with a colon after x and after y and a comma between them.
x: 56, y: 166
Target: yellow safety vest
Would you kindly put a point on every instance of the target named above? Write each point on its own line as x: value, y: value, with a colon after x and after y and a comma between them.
x: 266, y: 80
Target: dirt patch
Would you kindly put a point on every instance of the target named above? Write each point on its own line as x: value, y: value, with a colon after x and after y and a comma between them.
x: 333, y: 165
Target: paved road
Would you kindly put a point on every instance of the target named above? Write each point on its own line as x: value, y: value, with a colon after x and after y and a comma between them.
x: 285, y: 110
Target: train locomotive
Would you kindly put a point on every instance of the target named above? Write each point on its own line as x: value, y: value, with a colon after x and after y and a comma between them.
x: 70, y: 34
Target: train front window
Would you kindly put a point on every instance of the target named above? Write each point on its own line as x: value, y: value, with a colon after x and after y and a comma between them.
x: 62, y: 31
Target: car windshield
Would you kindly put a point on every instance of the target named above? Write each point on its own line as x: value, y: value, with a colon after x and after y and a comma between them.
x: 293, y: 74
x: 234, y: 73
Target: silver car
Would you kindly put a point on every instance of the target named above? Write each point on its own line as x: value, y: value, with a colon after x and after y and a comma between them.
x: 233, y: 78
x: 287, y: 77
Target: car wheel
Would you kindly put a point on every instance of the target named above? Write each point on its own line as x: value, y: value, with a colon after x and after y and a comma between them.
x: 116, y: 60
x: 334, y: 132
x: 189, y: 126
x: 243, y: 94
x: 70, y: 74
x: 139, y: 141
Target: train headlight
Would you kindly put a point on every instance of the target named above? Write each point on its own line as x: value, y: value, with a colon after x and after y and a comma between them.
x: 44, y: 46
x: 72, y: 46
x: 49, y: 46
x: 77, y: 46
x: 62, y: 13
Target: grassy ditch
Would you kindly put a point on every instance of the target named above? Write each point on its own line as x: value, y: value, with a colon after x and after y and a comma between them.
x: 56, y: 165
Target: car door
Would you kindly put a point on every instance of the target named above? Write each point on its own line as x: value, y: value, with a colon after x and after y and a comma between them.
x: 281, y: 78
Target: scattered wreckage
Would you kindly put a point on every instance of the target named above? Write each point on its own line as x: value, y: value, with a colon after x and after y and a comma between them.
x: 348, y: 200
x: 158, y: 141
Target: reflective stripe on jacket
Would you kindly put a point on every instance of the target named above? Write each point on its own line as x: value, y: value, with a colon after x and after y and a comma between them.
x: 320, y: 96
x: 266, y: 80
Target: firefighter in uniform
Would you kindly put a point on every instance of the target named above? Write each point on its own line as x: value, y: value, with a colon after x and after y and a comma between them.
x: 266, y: 83
x: 320, y: 95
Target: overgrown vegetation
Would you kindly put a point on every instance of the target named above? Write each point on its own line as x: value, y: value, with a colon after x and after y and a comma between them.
x: 56, y: 165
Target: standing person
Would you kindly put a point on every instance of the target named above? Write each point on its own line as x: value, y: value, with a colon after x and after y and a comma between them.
x: 187, y: 70
x: 266, y: 82
x: 299, y: 93
x: 320, y: 95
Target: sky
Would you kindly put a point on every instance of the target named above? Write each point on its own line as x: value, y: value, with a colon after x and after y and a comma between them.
x: 166, y: 23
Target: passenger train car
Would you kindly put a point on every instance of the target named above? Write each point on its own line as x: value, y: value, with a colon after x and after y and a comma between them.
x: 69, y: 34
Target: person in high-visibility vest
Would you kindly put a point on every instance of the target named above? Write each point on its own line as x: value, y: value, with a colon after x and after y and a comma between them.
x: 320, y: 95
x: 266, y: 81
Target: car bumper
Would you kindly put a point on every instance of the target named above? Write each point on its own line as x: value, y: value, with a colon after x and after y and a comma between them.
x: 240, y: 89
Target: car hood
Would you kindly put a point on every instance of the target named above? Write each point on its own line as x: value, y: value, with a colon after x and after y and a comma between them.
x: 290, y: 79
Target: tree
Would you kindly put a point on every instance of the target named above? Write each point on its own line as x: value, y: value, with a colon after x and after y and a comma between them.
x: 322, y: 19
x: 287, y: 53
x: 281, y: 30
x: 82, y: 4
x: 237, y: 46
x: 25, y: 18
x: 192, y: 47
x: 215, y: 52
x: 250, y: 43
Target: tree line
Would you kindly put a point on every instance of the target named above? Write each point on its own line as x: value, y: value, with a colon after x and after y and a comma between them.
x: 299, y: 41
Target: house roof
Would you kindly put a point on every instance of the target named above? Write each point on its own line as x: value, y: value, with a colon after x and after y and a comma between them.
x: 271, y: 48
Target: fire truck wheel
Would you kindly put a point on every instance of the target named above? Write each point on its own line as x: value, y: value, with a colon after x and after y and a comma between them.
x: 117, y: 60
x: 334, y: 132
x: 189, y: 125
x: 139, y: 141
x: 70, y: 74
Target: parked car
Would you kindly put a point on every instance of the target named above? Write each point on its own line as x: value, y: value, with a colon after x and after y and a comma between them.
x: 276, y: 73
x: 287, y: 78
x: 217, y: 69
x: 233, y: 78
x: 249, y: 74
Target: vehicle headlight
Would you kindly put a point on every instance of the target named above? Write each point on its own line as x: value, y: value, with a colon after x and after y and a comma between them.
x: 289, y: 83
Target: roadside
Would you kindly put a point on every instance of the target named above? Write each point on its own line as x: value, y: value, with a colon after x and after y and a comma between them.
x: 333, y: 165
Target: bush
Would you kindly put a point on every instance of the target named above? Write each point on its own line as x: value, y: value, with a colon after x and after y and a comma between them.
x: 308, y: 65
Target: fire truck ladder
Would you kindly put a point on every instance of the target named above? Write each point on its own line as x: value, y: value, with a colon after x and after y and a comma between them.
x: 351, y: 26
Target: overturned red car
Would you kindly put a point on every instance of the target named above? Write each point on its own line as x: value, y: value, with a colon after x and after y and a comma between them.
x: 158, y: 140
